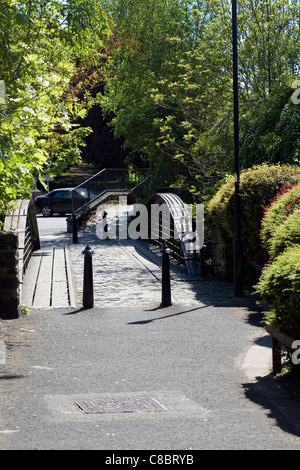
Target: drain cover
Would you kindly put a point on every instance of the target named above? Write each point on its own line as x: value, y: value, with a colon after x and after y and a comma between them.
x: 120, y: 405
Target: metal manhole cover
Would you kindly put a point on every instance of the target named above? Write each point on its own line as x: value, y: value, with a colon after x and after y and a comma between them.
x: 120, y: 405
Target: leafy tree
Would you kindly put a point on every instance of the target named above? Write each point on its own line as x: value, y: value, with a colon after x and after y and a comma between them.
x: 268, y: 46
x: 196, y: 91
x: 268, y: 62
x: 39, y: 44
x: 269, y: 131
x: 149, y: 37
x: 169, y: 82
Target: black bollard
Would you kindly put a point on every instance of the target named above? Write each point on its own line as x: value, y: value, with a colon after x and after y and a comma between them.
x: 74, y: 228
x: 166, y: 282
x: 88, y: 291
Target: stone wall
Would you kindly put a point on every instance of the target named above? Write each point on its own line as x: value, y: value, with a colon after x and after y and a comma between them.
x: 20, y: 236
x: 219, y: 254
x: 9, y: 276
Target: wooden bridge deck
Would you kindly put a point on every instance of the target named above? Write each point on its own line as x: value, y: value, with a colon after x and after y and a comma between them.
x: 47, y: 281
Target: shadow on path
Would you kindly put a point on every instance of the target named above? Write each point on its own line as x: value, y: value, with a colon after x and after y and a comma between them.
x: 269, y: 395
x: 143, y: 322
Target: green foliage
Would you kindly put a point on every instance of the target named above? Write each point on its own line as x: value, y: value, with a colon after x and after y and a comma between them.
x: 148, y: 41
x: 278, y: 213
x: 285, y: 235
x: 39, y: 43
x: 258, y: 186
x: 269, y: 130
x: 279, y: 288
x: 279, y: 284
x: 268, y: 56
x: 268, y: 60
x: 169, y: 82
x: 167, y: 78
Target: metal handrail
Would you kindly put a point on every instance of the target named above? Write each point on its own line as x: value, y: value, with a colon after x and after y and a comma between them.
x: 90, y: 178
x: 103, y: 185
x: 96, y: 186
x: 139, y: 184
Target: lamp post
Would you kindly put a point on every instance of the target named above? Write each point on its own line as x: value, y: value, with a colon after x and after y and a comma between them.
x: 237, y: 249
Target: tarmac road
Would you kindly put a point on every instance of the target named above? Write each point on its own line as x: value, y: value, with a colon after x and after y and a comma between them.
x: 189, y: 361
x: 53, y: 230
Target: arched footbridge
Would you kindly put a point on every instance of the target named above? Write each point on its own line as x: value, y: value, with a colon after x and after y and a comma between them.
x: 171, y: 224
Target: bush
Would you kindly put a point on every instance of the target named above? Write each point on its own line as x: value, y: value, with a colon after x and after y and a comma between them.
x: 286, y: 235
x: 258, y: 187
x: 279, y: 288
x: 279, y: 212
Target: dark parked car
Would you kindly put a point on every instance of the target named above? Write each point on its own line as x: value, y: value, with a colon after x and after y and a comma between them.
x: 60, y: 201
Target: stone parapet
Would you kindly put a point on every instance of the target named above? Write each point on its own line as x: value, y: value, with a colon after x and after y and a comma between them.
x: 9, y: 275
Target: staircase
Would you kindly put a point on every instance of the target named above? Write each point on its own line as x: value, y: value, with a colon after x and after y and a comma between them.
x: 107, y: 184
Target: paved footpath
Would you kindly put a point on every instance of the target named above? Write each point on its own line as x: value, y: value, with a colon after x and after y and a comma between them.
x: 129, y: 375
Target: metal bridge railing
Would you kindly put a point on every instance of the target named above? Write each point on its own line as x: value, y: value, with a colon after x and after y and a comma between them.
x: 108, y: 179
x: 175, y: 230
x: 22, y: 220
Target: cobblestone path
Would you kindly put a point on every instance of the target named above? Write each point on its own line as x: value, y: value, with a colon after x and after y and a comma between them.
x: 128, y: 273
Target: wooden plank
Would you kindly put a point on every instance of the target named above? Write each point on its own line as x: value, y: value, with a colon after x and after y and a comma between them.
x: 59, y: 264
x: 278, y: 339
x: 283, y: 338
x: 72, y: 300
x: 276, y: 355
x: 43, y: 290
x: 60, y: 297
x: 254, y: 264
x: 8, y: 223
x: 30, y: 280
x: 59, y: 286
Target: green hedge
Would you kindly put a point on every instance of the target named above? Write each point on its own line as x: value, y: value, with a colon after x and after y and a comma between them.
x: 277, y: 214
x: 258, y: 187
x: 279, y: 288
x: 285, y: 235
x: 279, y: 284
